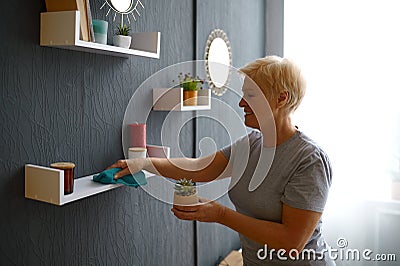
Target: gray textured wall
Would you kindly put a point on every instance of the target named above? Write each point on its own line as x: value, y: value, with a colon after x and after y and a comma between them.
x: 64, y: 105
x: 274, y: 10
x: 244, y: 24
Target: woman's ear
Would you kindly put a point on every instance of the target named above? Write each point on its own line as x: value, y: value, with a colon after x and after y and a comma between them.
x: 282, y: 99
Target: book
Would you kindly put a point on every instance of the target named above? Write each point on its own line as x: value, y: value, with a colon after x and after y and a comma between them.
x: 90, y: 23
x: 69, y: 5
x: 84, y: 21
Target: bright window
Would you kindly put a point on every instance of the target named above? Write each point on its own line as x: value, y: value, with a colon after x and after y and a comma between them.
x: 349, y: 51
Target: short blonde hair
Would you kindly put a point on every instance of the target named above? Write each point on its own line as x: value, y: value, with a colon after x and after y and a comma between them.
x: 274, y: 75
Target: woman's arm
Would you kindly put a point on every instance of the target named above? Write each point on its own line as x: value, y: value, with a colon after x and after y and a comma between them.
x: 202, y: 169
x: 293, y: 233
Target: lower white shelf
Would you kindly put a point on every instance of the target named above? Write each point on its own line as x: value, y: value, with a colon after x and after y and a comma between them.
x: 47, y: 185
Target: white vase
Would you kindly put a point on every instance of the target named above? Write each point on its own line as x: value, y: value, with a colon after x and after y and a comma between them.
x: 186, y: 200
x: 122, y: 41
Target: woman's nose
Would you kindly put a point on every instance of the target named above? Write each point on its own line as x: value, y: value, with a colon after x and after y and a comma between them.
x: 242, y: 103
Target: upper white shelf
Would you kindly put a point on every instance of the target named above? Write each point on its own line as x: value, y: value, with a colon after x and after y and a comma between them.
x: 171, y: 99
x: 47, y: 185
x: 61, y: 29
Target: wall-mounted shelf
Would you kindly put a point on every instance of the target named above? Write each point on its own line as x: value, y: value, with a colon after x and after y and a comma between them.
x: 47, y: 185
x: 61, y: 30
x: 171, y: 99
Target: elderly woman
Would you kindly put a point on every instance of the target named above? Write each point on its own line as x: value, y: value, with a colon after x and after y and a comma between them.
x: 281, y: 215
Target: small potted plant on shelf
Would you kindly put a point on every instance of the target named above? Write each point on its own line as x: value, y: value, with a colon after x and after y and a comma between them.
x: 121, y: 37
x: 190, y: 86
x: 185, y: 192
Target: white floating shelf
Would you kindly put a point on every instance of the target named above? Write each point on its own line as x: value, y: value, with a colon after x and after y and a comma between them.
x: 171, y: 99
x: 47, y: 185
x: 61, y: 30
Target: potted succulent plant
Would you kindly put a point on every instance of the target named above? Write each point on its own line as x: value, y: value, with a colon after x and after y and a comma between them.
x: 190, y: 86
x: 185, y: 192
x: 121, y: 37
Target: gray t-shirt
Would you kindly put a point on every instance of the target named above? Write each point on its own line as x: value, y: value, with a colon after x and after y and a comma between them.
x: 299, y: 176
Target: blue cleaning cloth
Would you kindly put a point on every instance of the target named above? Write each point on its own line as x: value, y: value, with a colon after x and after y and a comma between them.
x: 107, y: 177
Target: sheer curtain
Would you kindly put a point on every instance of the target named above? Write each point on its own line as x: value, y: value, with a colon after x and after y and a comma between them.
x: 349, y: 51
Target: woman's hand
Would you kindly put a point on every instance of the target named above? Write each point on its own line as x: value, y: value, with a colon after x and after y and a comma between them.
x: 205, y: 211
x: 128, y: 166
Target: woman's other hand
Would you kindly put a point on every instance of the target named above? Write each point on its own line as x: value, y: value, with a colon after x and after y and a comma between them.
x: 205, y: 211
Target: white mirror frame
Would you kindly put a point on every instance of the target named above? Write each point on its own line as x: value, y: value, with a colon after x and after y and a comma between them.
x: 218, y: 88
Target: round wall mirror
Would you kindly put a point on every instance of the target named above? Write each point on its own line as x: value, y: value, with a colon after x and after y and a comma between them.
x: 123, y: 7
x: 218, y: 59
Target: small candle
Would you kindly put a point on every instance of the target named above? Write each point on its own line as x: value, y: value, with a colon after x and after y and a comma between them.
x: 100, y: 28
x: 137, y: 152
x: 68, y: 175
x: 137, y: 135
x: 158, y: 151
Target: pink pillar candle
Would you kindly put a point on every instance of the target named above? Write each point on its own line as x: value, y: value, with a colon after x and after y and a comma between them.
x: 137, y: 135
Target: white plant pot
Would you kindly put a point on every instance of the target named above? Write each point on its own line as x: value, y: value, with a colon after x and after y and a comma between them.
x: 122, y: 41
x: 186, y: 200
